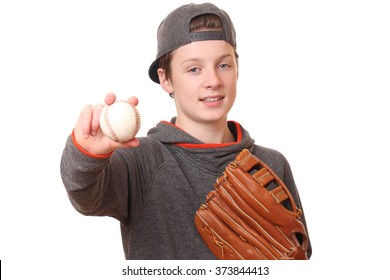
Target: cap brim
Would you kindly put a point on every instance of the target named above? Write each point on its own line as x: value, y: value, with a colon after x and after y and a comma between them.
x: 153, y: 72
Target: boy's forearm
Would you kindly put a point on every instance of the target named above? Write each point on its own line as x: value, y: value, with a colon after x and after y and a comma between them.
x: 83, y: 177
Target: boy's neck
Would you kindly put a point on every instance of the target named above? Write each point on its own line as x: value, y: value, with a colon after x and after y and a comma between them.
x: 208, y: 133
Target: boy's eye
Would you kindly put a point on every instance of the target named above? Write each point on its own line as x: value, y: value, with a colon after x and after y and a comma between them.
x: 193, y: 70
x: 223, y: 66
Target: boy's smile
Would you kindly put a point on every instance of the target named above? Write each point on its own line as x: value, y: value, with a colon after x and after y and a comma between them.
x: 212, y: 101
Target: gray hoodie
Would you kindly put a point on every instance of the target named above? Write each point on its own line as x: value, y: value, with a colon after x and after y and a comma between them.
x: 155, y: 189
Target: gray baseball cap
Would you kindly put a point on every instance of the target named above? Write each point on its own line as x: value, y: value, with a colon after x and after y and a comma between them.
x: 174, y: 31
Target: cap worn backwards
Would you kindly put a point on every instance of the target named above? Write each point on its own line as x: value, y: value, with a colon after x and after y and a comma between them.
x: 174, y: 31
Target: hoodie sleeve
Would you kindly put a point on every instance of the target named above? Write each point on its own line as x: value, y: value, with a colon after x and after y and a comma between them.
x: 95, y: 186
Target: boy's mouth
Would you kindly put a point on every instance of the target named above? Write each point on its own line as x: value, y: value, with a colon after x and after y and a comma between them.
x: 211, y: 99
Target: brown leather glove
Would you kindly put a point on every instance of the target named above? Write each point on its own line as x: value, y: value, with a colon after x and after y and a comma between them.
x: 251, y: 214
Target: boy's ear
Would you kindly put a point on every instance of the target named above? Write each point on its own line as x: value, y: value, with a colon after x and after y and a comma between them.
x: 164, y: 82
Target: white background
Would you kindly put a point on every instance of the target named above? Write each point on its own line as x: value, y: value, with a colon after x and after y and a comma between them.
x: 314, y: 76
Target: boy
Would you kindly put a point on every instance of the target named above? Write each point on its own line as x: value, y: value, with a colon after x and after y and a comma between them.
x: 153, y: 185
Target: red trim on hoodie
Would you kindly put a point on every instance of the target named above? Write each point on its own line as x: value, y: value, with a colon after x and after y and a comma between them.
x: 85, y: 152
x: 210, y: 145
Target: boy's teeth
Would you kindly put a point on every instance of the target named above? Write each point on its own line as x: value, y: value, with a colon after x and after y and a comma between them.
x: 212, y: 99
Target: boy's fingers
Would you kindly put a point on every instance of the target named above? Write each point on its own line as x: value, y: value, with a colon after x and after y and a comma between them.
x: 86, y: 119
x: 95, y: 125
x: 110, y: 98
x: 133, y: 100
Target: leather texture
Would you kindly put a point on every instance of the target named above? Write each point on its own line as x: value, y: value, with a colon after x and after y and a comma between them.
x: 250, y: 214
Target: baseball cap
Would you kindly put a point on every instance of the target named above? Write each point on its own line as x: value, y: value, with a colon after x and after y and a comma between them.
x: 174, y: 31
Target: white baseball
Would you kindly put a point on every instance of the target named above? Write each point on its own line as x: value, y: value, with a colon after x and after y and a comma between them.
x: 120, y: 121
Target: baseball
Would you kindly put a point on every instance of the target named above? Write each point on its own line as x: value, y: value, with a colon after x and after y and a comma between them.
x: 120, y: 121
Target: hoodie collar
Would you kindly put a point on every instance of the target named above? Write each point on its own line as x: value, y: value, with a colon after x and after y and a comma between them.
x: 209, y: 157
x: 169, y: 133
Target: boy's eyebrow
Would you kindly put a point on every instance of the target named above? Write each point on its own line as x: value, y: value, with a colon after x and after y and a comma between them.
x: 194, y: 59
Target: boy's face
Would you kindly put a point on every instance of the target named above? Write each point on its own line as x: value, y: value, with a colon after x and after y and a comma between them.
x: 204, y: 78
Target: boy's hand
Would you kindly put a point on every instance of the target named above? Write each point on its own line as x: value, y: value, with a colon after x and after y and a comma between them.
x: 89, y: 135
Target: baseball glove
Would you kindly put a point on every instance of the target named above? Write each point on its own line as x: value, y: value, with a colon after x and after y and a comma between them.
x: 251, y: 214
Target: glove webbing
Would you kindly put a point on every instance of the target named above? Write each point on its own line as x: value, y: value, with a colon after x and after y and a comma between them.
x: 266, y: 177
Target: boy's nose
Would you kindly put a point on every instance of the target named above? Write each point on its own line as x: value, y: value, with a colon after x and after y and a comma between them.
x: 212, y: 79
